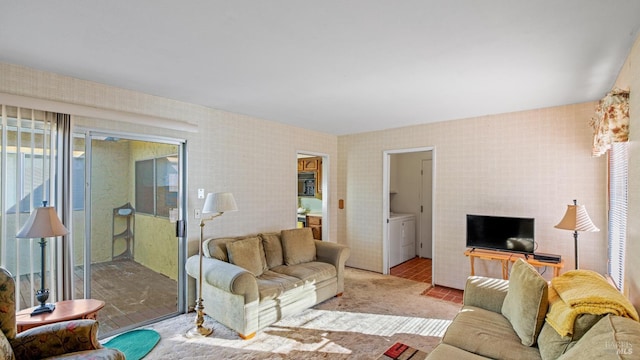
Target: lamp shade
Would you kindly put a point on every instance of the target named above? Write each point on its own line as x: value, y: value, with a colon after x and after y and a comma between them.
x: 43, y: 222
x: 219, y: 203
x: 577, y: 219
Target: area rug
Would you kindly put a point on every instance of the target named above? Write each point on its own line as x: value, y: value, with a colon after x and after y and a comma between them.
x: 135, y: 344
x: 375, y: 312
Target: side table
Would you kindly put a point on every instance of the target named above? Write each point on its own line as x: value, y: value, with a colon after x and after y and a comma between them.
x: 65, y: 310
x: 505, y: 258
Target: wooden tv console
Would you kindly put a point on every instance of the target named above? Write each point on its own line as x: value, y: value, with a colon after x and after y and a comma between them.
x: 506, y: 257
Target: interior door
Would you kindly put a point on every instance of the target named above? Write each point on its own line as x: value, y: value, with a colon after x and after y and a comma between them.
x: 132, y: 259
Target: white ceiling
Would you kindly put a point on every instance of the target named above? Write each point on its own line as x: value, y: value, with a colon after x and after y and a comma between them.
x: 336, y: 66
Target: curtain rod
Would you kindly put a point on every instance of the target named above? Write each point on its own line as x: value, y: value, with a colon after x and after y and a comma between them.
x: 95, y: 112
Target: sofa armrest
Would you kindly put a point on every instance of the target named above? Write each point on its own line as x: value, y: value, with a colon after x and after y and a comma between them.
x: 332, y: 253
x: 486, y: 293
x: 225, y: 276
x: 56, y: 339
x: 336, y: 255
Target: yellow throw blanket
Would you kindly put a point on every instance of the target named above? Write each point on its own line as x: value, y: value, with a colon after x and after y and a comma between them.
x: 579, y: 292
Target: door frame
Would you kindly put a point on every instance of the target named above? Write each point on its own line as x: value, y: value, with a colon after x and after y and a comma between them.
x: 89, y: 135
x: 326, y: 221
x: 386, y: 179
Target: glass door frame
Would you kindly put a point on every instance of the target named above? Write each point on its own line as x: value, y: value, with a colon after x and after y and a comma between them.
x: 91, y: 134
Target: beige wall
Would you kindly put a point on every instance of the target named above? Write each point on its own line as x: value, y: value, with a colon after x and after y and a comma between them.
x: 529, y: 164
x: 109, y: 189
x: 155, y: 236
x: 253, y: 158
x: 630, y: 78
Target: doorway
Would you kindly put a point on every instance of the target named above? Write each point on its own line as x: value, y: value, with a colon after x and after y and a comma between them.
x: 128, y: 256
x: 408, y: 195
x: 312, y: 193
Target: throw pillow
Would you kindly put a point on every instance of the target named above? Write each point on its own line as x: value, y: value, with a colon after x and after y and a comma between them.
x: 248, y: 254
x: 298, y: 246
x: 272, y: 249
x: 527, y: 301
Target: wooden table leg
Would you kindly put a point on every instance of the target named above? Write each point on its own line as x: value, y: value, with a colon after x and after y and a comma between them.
x: 473, y: 272
x: 505, y: 269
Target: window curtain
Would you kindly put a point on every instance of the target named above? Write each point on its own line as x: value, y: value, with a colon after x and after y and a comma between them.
x: 30, y: 168
x: 65, y: 206
x: 611, y: 123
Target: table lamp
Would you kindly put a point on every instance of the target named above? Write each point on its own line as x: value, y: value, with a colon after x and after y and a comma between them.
x: 576, y: 219
x: 42, y: 223
x: 216, y: 204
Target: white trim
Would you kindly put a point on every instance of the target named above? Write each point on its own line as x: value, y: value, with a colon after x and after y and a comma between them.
x: 94, y: 112
x: 386, y: 162
x: 326, y: 201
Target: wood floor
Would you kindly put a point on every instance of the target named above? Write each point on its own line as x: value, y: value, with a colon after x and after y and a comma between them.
x: 132, y: 293
x: 419, y: 269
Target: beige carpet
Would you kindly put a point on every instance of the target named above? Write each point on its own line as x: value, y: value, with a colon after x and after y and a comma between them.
x: 375, y: 312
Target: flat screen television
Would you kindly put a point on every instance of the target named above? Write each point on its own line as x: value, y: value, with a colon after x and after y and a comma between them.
x: 500, y: 233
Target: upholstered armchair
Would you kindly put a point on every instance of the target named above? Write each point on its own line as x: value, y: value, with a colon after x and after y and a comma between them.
x: 76, y: 339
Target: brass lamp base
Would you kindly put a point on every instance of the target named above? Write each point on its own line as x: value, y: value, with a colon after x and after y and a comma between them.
x: 43, y: 308
x: 199, y: 331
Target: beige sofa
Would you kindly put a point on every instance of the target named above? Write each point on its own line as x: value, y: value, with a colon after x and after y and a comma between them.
x: 251, y: 282
x: 525, y: 318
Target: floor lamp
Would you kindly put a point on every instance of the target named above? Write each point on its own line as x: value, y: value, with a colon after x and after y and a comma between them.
x: 42, y: 223
x: 576, y: 219
x: 216, y: 204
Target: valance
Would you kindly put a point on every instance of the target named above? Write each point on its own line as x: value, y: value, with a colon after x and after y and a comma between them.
x: 611, y: 123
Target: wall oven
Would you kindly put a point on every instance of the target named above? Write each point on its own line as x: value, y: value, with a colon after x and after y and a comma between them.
x: 306, y: 183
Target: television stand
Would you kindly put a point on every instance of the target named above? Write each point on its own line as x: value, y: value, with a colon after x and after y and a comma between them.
x: 506, y: 257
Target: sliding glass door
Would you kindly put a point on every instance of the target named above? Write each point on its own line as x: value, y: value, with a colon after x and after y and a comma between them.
x: 128, y: 254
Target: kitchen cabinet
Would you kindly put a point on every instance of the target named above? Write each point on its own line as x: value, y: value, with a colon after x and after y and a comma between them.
x: 315, y: 223
x: 309, y: 164
x: 313, y: 164
x: 402, y: 238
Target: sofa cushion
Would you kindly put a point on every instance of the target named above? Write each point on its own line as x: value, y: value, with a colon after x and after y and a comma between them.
x: 552, y: 344
x: 448, y: 352
x: 298, y: 246
x: 613, y: 337
x: 248, y: 254
x: 272, y: 249
x: 526, y: 302
x: 488, y: 334
x: 272, y: 284
x: 313, y: 271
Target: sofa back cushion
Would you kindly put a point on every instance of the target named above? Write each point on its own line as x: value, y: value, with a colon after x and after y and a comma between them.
x: 526, y: 302
x: 248, y: 254
x: 552, y: 344
x: 298, y: 246
x: 613, y: 337
x: 272, y: 249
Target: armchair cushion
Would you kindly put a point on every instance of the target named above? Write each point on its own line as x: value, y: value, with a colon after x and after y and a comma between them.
x: 6, y: 352
x: 248, y: 254
x: 526, y: 302
x: 58, y: 339
x: 298, y: 246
